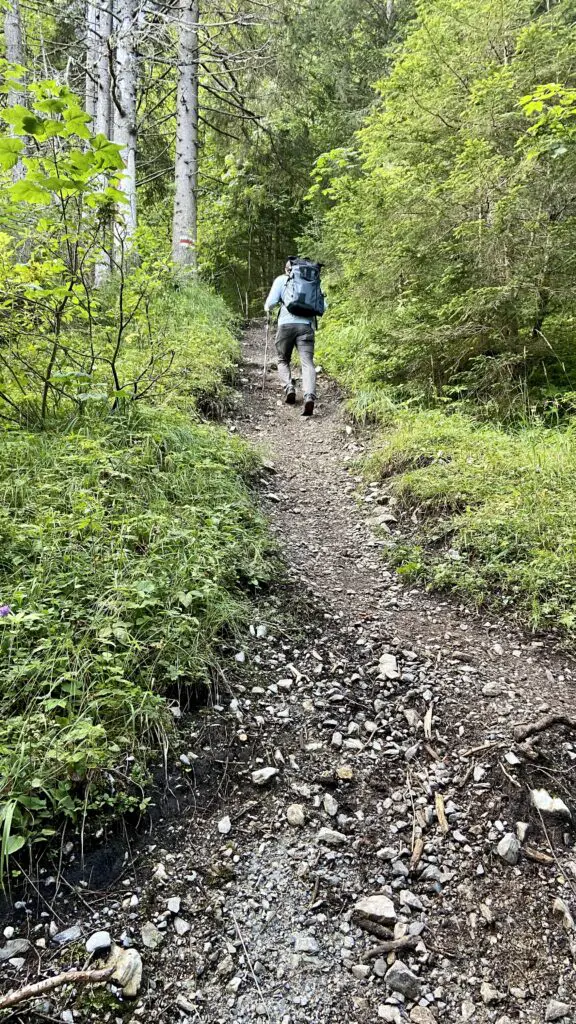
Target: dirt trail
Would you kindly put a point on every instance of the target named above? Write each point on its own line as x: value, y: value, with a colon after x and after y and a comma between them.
x: 395, y: 776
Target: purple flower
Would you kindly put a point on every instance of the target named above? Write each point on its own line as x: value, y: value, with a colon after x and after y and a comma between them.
x: 5, y: 610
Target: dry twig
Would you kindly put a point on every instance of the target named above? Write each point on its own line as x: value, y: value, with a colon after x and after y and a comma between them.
x: 441, y: 813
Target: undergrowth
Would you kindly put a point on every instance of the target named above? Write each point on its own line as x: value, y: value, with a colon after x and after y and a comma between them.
x: 128, y: 547
x: 197, y: 325
x: 497, y: 509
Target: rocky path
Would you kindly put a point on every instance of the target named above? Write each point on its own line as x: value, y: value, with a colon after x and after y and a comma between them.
x: 359, y: 842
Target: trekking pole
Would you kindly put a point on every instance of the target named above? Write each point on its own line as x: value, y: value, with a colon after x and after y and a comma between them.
x: 265, y: 353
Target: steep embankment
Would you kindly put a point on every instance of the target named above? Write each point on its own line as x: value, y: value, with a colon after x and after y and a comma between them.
x: 365, y: 745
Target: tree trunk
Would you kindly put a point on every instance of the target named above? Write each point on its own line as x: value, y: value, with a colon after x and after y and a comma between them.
x: 125, y: 106
x: 92, y: 53
x: 184, y: 224
x: 103, y: 123
x: 103, y: 117
x: 14, y: 39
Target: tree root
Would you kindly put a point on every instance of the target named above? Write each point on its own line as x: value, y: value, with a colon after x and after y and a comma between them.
x: 522, y: 732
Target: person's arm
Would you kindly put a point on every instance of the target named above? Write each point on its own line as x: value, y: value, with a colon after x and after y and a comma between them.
x: 275, y: 296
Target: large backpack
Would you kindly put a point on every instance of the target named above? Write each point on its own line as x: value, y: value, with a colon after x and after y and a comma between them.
x: 302, y: 294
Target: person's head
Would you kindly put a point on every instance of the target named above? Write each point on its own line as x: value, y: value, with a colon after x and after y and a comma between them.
x: 288, y: 266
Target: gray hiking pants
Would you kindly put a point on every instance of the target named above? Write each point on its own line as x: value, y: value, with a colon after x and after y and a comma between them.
x: 300, y: 336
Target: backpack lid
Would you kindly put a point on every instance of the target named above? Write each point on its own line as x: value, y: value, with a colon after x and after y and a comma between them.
x: 299, y: 261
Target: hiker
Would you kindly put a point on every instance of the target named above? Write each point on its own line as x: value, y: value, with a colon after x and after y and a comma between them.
x: 300, y: 297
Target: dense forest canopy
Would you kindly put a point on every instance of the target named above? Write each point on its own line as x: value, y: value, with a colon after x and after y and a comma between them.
x: 424, y: 152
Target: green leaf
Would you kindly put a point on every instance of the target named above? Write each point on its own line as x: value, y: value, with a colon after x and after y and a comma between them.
x: 26, y: 191
x: 13, y: 844
x: 23, y: 122
x: 10, y: 150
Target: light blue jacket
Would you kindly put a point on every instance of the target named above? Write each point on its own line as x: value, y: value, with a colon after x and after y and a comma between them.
x: 275, y: 297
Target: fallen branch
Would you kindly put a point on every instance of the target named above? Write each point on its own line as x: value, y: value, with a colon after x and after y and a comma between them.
x: 408, y: 942
x: 537, y: 855
x: 39, y: 988
x: 379, y: 930
x: 522, y: 732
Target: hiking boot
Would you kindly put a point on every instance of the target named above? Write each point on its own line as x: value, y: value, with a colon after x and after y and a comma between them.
x: 290, y: 396
x: 308, y: 405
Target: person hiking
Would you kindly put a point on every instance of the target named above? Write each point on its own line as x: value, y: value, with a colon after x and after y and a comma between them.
x: 297, y: 291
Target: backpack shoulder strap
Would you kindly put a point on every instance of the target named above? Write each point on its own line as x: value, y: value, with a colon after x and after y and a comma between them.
x: 287, y: 276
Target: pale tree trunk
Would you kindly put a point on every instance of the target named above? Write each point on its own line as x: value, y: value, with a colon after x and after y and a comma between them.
x: 184, y: 224
x: 14, y: 39
x: 92, y: 55
x: 103, y: 116
x: 103, y: 121
x: 125, y: 107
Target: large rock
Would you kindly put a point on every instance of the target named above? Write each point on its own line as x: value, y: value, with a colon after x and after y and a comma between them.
x: 378, y: 907
x: 543, y: 801
x: 304, y: 943
x: 295, y: 815
x: 389, y: 1013
x: 98, y: 942
x: 489, y: 994
x: 263, y: 775
x: 14, y: 947
x: 127, y: 964
x: 71, y: 934
x: 331, y: 837
x: 509, y: 848
x: 557, y: 1011
x: 388, y: 667
x: 151, y: 937
x: 422, y: 1015
x: 401, y: 979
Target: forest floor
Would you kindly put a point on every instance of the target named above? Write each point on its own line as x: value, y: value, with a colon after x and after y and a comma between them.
x: 387, y: 717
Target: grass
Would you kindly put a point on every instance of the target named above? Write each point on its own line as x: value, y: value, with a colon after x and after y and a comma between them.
x: 497, y: 509
x: 129, y: 546
x: 198, y: 326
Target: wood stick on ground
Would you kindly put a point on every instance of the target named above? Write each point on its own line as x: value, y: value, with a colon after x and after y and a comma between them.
x: 480, y: 749
x: 39, y: 988
x: 428, y: 724
x: 541, y: 858
x: 441, y: 813
x: 522, y: 732
x: 314, y: 891
x: 408, y: 942
x: 509, y: 777
x: 416, y: 853
x: 379, y: 930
